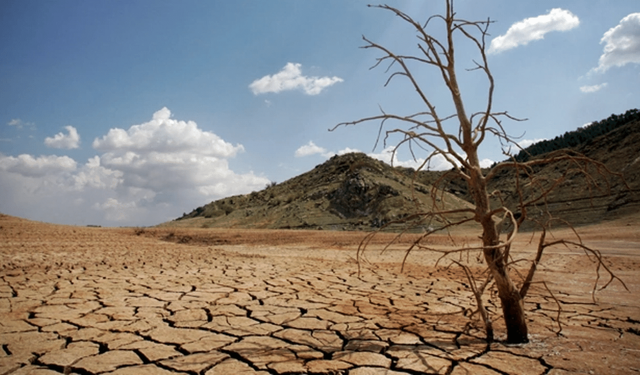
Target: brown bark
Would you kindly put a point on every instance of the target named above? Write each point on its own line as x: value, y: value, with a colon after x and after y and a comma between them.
x: 510, y: 299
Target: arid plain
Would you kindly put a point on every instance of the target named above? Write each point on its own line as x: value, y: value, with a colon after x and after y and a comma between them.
x: 79, y: 300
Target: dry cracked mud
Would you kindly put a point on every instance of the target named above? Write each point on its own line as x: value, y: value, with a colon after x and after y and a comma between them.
x: 77, y: 300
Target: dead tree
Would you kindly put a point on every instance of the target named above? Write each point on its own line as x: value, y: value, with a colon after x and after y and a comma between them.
x: 457, y: 137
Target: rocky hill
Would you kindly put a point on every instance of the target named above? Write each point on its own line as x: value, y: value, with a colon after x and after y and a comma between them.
x: 347, y: 192
x: 356, y: 192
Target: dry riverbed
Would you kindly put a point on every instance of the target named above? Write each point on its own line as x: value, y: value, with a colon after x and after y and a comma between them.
x: 76, y: 300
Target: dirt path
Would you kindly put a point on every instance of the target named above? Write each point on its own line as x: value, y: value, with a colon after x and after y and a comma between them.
x: 77, y: 300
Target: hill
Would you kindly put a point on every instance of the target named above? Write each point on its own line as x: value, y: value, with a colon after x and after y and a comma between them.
x: 582, y: 203
x: 579, y: 200
x: 347, y: 192
x: 579, y: 136
x: 356, y: 192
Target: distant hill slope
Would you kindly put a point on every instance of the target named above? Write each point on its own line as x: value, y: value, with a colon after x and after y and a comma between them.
x: 356, y: 192
x: 619, y: 151
x: 347, y: 192
x: 574, y: 201
x: 580, y: 136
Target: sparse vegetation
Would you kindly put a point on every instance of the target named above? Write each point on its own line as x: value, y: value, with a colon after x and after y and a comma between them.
x: 350, y: 192
x: 579, y: 136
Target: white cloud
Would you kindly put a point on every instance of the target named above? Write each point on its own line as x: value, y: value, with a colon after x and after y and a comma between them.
x: 486, y: 163
x: 15, y: 122
x: 28, y: 166
x: 291, y: 78
x: 311, y: 149
x: 115, y: 210
x: 524, y: 144
x: 528, y: 142
x: 144, y: 175
x: 66, y: 141
x: 593, y: 88
x: 36, y: 187
x: 386, y: 155
x: 19, y: 124
x: 165, y: 136
x: 171, y: 157
x: 437, y: 163
x: 347, y: 150
x: 622, y: 44
x: 95, y: 176
x: 534, y: 28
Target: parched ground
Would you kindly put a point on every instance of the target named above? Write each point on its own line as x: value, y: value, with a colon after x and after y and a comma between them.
x: 76, y: 300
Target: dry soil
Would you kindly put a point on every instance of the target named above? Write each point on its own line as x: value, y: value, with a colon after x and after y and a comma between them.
x: 76, y: 300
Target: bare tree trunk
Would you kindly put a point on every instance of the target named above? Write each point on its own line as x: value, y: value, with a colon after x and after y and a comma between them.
x: 510, y: 299
x: 512, y: 305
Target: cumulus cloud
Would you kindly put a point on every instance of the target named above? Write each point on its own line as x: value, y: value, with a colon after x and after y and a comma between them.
x: 311, y: 149
x: 144, y: 174
x: 166, y: 136
x: 66, y: 141
x: 95, y: 176
x: 534, y: 28
x: 291, y: 78
x: 29, y: 166
x: 593, y: 88
x: 167, y: 154
x: 437, y: 163
x: 36, y: 187
x: 166, y: 157
x: 621, y: 44
x: 114, y: 210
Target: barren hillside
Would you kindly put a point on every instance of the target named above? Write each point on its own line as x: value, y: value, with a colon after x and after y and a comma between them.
x: 612, y: 192
x: 347, y: 192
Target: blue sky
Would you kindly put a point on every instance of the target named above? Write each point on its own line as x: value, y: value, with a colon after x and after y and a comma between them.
x: 133, y: 112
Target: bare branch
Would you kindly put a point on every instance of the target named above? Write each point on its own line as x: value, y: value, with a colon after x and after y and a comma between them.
x: 599, y: 264
x: 425, y: 130
x: 534, y: 265
x: 559, y: 308
x: 477, y: 293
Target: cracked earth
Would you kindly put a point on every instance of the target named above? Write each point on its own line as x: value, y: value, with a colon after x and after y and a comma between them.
x: 77, y: 300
